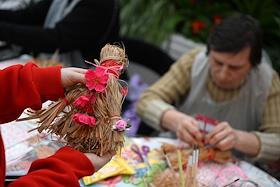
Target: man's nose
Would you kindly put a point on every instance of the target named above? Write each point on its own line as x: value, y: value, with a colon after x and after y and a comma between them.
x: 224, y: 73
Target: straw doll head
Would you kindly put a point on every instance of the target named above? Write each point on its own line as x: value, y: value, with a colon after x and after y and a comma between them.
x: 88, y: 118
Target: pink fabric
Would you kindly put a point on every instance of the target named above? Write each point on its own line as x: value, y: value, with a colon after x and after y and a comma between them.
x: 84, y: 119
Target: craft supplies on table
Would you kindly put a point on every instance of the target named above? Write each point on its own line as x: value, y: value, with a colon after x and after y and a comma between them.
x: 212, y: 173
x: 207, y: 172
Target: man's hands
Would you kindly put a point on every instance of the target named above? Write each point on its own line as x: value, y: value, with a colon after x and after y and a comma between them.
x: 184, y: 126
x: 99, y: 161
x: 71, y: 76
x: 188, y: 131
x: 223, y: 136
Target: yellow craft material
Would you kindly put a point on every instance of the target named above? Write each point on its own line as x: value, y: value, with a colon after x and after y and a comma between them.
x: 181, y: 177
x: 117, y: 166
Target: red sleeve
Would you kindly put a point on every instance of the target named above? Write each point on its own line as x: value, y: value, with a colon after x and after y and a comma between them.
x: 64, y: 168
x: 27, y: 86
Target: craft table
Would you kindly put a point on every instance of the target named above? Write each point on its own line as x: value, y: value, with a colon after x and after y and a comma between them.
x: 207, y: 170
x: 23, y: 148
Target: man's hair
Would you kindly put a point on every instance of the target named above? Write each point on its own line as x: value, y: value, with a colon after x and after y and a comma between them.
x: 234, y: 34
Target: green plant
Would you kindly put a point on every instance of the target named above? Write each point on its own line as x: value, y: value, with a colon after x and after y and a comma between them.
x: 153, y: 21
x: 149, y: 20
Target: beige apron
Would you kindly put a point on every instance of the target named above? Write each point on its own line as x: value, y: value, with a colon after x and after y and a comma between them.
x: 244, y: 111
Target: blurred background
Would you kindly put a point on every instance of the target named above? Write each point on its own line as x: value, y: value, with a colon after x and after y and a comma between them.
x: 157, y: 21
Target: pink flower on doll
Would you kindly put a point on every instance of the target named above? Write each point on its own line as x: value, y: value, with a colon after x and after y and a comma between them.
x: 121, y: 125
x: 84, y: 119
x: 81, y: 101
x: 124, y: 91
x: 96, y: 79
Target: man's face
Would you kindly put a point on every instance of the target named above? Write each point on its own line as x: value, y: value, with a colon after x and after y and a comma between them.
x: 229, y: 70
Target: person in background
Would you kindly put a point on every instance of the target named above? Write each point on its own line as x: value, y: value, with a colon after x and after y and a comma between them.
x: 30, y: 86
x: 228, y: 81
x: 15, y: 4
x: 77, y: 29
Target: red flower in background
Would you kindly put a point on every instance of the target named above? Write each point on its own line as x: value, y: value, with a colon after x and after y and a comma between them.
x: 197, y: 26
x: 96, y: 80
x: 217, y: 20
x: 193, y: 2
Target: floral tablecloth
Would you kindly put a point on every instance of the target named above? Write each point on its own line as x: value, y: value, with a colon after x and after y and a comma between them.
x: 22, y: 150
x: 209, y: 172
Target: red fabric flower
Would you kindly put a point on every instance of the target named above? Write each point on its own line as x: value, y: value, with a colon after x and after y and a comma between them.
x: 109, y: 63
x: 92, y: 99
x: 85, y: 103
x: 96, y: 80
x: 197, y: 26
x: 81, y: 102
x: 89, y: 107
x: 112, y: 67
x: 83, y: 119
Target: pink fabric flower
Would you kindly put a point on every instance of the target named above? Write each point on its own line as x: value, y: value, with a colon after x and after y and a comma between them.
x: 81, y: 101
x: 120, y: 125
x: 96, y: 80
x: 84, y: 119
x: 124, y: 91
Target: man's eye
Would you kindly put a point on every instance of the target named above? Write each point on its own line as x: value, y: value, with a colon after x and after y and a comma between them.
x: 234, y: 67
x: 219, y: 63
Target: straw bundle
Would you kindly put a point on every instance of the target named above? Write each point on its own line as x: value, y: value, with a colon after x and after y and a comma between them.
x: 99, y: 138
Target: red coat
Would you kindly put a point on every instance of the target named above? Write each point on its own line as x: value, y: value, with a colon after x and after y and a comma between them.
x: 29, y: 86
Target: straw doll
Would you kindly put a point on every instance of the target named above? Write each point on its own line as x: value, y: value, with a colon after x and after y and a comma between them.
x: 88, y: 118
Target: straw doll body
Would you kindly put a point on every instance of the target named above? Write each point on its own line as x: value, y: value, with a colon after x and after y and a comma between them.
x: 88, y: 118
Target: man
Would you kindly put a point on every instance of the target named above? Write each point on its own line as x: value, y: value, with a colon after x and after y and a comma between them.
x: 229, y: 81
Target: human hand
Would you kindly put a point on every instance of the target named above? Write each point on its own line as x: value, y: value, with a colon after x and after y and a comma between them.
x: 188, y: 130
x: 71, y: 76
x: 223, y: 136
x: 99, y: 161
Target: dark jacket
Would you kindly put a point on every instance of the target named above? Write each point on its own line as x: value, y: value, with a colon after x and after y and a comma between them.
x: 90, y: 25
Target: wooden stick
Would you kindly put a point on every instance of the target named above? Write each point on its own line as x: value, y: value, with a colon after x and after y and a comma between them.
x: 171, y: 168
x: 191, y: 172
x: 181, y: 175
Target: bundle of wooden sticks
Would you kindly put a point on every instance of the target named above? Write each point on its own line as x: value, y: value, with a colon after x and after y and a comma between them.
x: 192, y: 169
